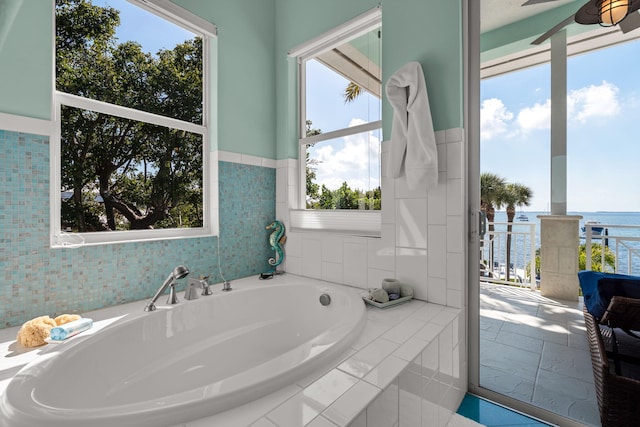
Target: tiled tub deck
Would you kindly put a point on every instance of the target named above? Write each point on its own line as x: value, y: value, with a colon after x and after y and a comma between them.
x: 408, y: 368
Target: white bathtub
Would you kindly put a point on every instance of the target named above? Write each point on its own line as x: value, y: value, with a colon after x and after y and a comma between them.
x: 188, y: 361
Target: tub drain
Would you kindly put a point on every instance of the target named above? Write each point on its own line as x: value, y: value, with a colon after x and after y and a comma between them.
x: 325, y: 299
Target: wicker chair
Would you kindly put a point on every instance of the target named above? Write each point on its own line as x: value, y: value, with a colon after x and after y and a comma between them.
x: 611, y: 340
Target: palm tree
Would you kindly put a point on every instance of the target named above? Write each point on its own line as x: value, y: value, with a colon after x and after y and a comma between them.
x: 515, y: 195
x: 492, y: 189
x: 351, y: 92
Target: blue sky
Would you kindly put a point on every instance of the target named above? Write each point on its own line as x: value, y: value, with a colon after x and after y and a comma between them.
x: 152, y: 32
x: 603, y: 152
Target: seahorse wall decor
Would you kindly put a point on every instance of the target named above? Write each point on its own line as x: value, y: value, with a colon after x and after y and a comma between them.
x: 276, y: 240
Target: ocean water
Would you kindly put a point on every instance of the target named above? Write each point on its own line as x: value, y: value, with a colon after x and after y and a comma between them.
x: 610, y: 219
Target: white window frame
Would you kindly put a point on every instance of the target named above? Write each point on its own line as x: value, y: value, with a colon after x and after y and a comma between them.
x: 356, y: 222
x: 59, y: 238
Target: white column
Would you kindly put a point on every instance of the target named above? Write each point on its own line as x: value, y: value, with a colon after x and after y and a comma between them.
x: 559, y: 123
x: 559, y: 240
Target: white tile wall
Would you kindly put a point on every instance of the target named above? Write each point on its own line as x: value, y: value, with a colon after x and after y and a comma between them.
x: 412, y: 268
x: 411, y: 223
x: 436, y: 202
x: 312, y: 256
x: 354, y: 266
x: 423, y: 232
x: 384, y: 411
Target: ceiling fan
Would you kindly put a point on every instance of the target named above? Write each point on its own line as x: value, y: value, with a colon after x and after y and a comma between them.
x: 622, y: 12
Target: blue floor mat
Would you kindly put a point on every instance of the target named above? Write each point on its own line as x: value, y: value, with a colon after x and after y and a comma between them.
x: 492, y: 415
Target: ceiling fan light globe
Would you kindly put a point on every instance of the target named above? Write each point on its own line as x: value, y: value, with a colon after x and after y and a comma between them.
x: 612, y: 11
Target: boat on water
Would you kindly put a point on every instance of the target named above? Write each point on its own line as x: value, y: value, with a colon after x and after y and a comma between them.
x: 596, y: 230
x: 522, y: 217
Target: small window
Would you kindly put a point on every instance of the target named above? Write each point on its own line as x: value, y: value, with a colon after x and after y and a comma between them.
x: 132, y: 143
x: 341, y: 127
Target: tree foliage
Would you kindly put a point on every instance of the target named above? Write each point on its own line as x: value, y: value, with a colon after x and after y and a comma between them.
x: 515, y: 195
x: 491, y: 195
x: 496, y: 192
x: 351, y: 92
x: 596, y: 258
x: 312, y: 187
x: 121, y: 173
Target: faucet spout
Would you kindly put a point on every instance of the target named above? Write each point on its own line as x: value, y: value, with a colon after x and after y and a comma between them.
x: 178, y: 273
x: 191, y: 290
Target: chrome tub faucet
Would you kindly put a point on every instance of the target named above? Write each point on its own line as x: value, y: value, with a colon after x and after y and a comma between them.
x: 194, y: 284
x: 178, y: 273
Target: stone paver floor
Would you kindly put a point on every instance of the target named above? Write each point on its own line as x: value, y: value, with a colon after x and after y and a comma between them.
x: 534, y: 349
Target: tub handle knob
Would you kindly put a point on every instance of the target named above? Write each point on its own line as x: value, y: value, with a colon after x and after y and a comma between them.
x: 325, y: 299
x: 206, y: 288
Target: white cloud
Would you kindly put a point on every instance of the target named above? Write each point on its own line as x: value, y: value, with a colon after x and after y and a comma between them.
x: 593, y: 102
x: 494, y: 118
x: 352, y: 158
x: 536, y: 117
x: 589, y: 102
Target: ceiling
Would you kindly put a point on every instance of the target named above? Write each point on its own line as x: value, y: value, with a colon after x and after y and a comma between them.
x: 498, y: 13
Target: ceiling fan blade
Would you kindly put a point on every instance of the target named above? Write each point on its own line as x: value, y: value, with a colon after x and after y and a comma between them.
x: 552, y: 31
x: 530, y: 2
x: 630, y: 23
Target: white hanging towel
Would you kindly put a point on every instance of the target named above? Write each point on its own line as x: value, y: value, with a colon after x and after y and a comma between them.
x: 413, y: 141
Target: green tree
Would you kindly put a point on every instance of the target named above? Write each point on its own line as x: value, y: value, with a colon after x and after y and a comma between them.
x: 373, y: 199
x: 596, y: 258
x: 492, y: 188
x: 351, y: 92
x: 326, y: 199
x: 537, y: 266
x: 146, y: 175
x: 345, y: 198
x: 514, y: 195
x: 313, y: 188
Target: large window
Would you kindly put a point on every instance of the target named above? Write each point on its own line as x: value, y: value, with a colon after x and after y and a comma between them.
x: 340, y: 112
x: 132, y: 138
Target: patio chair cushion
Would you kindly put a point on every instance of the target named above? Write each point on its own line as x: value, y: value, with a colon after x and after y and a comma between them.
x: 598, y: 289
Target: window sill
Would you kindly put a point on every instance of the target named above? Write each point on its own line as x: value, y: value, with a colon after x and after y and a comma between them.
x: 358, y: 223
x: 75, y: 240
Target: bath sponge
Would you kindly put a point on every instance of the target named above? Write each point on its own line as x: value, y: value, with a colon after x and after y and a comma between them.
x: 66, y: 318
x: 34, y: 332
x: 379, y: 295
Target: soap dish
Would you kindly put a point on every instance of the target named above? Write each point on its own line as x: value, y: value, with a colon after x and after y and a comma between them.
x: 388, y: 303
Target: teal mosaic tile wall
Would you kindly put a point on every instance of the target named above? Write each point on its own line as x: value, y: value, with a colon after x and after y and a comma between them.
x: 36, y: 280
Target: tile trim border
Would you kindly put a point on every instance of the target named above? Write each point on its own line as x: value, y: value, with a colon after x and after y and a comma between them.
x: 15, y: 123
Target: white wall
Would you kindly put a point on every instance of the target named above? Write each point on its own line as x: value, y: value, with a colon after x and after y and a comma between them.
x: 423, y: 233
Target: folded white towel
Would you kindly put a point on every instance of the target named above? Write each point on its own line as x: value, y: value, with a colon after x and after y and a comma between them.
x: 413, y: 141
x: 62, y: 332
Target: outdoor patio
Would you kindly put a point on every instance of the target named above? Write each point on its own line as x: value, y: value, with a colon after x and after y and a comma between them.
x: 534, y: 349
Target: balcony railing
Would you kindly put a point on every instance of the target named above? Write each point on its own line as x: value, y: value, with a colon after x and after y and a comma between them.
x: 493, y: 254
x: 624, y: 242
